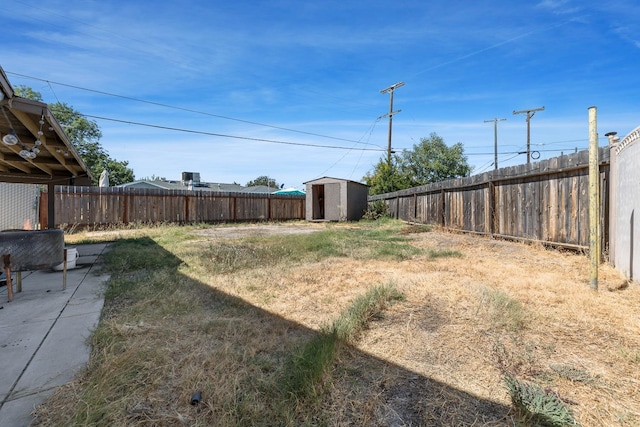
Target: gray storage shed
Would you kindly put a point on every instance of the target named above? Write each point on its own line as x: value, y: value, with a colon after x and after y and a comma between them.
x: 334, y: 199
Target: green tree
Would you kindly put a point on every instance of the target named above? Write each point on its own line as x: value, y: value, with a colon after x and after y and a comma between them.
x: 433, y: 161
x: 263, y: 180
x: 85, y: 136
x: 385, y: 177
x: 29, y: 93
x: 429, y: 161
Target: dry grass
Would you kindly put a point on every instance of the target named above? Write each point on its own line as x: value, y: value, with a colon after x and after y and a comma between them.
x: 435, y: 358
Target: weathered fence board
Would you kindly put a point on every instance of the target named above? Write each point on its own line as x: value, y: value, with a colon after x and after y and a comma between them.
x: 94, y: 206
x: 545, y: 201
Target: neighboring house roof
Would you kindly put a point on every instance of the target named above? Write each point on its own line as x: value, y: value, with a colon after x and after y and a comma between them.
x: 258, y: 189
x: 199, y: 186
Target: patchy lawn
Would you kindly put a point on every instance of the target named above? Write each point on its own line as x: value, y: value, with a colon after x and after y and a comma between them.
x: 237, y: 312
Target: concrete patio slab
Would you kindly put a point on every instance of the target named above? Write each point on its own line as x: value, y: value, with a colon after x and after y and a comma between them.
x: 44, y: 333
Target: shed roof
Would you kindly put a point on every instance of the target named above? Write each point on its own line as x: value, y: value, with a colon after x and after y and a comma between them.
x: 57, y: 160
x: 325, y: 178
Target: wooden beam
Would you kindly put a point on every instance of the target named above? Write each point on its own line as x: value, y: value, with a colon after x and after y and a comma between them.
x: 34, y: 128
x: 18, y: 163
x: 14, y: 164
x: 26, y: 120
x: 68, y: 144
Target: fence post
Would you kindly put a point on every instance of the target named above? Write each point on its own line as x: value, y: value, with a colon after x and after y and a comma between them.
x: 235, y: 208
x: 594, y: 205
x: 492, y: 207
x: 125, y: 208
x: 186, y: 210
x: 442, y: 200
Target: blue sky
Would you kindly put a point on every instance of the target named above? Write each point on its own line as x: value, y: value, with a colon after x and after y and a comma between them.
x: 309, y: 74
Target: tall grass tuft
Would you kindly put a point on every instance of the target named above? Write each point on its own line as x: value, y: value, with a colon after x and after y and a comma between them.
x: 362, y: 310
x: 309, y: 367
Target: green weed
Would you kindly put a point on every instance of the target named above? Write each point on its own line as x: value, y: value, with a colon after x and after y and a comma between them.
x: 308, y: 367
x: 536, y: 407
x: 364, y: 309
x: 375, y: 242
x: 505, y: 312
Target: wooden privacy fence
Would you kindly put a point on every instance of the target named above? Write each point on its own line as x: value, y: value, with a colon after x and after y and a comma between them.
x: 545, y: 201
x: 91, y: 206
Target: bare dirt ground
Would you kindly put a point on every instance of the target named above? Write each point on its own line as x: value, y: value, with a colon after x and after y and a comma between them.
x: 451, y: 338
x: 240, y: 231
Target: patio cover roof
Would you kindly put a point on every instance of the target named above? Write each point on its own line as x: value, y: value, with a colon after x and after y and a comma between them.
x: 57, y: 163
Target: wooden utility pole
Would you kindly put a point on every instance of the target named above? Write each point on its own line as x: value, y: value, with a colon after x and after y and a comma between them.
x: 495, y: 139
x: 530, y: 114
x: 390, y: 89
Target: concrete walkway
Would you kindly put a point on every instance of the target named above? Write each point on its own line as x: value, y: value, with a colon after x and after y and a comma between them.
x: 44, y: 333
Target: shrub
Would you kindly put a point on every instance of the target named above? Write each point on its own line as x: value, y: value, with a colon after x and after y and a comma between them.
x: 376, y: 210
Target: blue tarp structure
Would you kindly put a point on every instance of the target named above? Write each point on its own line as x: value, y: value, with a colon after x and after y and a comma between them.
x: 291, y: 191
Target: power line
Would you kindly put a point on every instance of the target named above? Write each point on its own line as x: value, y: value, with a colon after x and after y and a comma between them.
x: 521, y: 152
x: 189, y: 110
x: 129, y: 122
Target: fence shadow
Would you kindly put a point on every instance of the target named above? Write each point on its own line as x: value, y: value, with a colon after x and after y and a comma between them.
x: 380, y: 391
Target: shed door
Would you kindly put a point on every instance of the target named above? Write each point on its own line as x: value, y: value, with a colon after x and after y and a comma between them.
x: 332, y: 202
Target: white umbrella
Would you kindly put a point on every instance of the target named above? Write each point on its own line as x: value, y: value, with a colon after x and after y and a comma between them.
x: 104, y: 179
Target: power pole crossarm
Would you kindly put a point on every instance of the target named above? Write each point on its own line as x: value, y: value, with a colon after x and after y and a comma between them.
x: 390, y: 90
x: 530, y: 113
x: 495, y: 139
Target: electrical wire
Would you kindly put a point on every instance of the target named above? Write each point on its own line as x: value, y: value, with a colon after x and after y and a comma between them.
x: 371, y: 127
x: 189, y: 110
x: 362, y: 152
x: 129, y: 122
